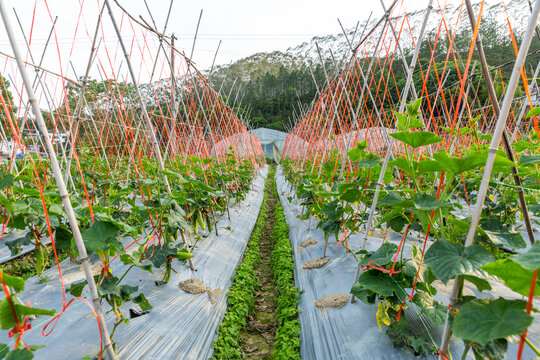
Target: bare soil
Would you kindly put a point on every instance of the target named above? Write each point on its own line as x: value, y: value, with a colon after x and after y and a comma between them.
x: 258, y: 337
x: 308, y: 242
x: 315, y: 263
x: 214, y: 294
x: 334, y: 301
x: 193, y: 286
x: 197, y: 287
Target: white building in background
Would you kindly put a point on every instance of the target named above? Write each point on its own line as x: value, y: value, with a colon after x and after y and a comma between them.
x: 9, y: 147
x: 33, y: 142
x: 58, y: 138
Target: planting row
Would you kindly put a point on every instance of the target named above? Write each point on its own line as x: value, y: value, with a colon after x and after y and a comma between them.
x: 132, y: 220
x: 287, y: 342
x: 428, y: 193
x: 282, y: 324
x: 241, y: 296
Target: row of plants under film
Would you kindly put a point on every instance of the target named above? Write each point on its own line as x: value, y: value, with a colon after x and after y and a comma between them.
x: 125, y: 214
x: 430, y: 191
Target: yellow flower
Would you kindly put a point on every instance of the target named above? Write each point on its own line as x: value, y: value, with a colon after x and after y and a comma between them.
x: 491, y: 197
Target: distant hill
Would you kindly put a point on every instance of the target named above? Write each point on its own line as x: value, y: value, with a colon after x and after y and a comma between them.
x: 272, y: 87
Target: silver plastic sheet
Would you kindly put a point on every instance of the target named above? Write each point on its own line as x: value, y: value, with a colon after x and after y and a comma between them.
x: 5, y: 253
x: 351, y: 332
x: 180, y: 325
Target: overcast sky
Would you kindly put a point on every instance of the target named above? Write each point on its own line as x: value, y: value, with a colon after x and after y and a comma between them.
x: 244, y: 26
x: 247, y: 27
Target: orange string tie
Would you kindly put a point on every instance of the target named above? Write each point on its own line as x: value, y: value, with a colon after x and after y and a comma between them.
x: 56, y: 318
x: 399, y: 311
x: 442, y: 354
x: 20, y: 329
x: 379, y: 267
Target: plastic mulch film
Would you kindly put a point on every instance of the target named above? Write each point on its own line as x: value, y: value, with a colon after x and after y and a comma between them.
x: 6, y: 254
x: 272, y: 142
x: 351, y: 332
x: 180, y: 325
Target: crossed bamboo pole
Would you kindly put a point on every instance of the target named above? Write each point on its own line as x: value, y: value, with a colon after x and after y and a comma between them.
x: 498, y: 133
x: 391, y: 146
x: 64, y: 195
x: 149, y: 125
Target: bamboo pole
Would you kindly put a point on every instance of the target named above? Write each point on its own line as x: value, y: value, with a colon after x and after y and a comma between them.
x: 171, y: 64
x: 81, y: 100
x: 391, y: 146
x: 524, y: 107
x: 174, y: 144
x: 149, y: 125
x: 214, y: 61
x: 402, y: 56
x: 64, y: 195
x: 36, y: 82
x: 196, y: 33
x: 494, y: 146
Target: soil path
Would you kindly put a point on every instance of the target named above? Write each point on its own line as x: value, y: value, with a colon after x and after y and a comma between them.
x: 258, y: 337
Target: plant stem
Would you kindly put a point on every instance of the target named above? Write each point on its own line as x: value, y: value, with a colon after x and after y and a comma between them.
x: 167, y: 276
x: 466, y: 351
x: 123, y: 276
x: 531, y: 345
